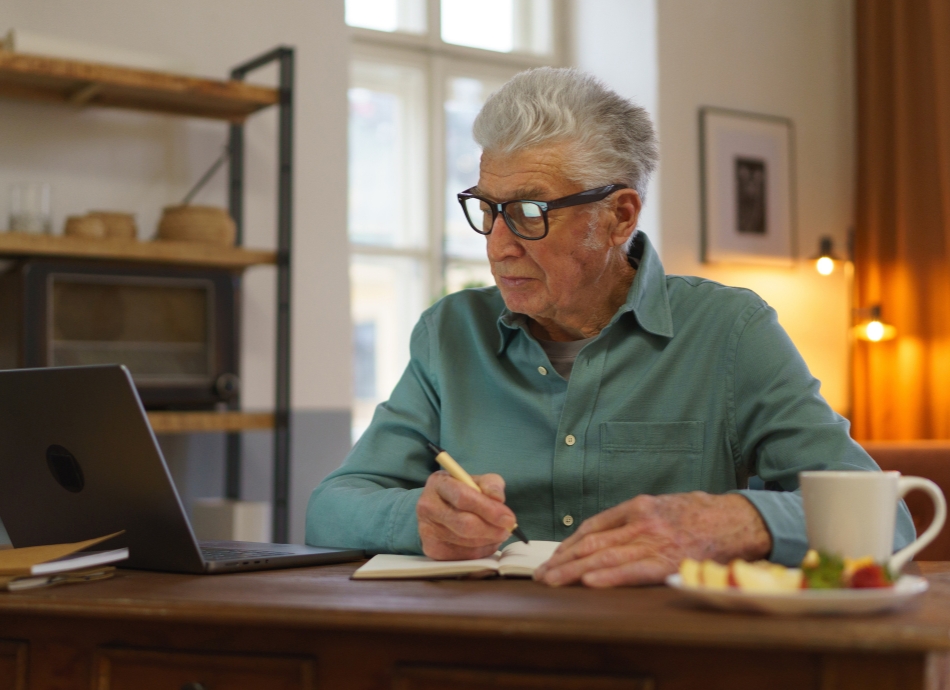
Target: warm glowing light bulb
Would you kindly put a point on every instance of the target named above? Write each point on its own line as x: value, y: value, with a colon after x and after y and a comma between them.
x: 825, y: 265
x: 874, y: 331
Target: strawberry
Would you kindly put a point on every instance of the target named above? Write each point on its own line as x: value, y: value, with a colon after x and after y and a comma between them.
x: 873, y: 575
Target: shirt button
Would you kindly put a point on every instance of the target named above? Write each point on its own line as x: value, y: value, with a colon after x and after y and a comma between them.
x: 568, y: 520
x: 570, y: 440
x: 542, y: 371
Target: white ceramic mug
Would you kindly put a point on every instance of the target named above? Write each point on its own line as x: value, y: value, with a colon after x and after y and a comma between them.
x: 853, y: 514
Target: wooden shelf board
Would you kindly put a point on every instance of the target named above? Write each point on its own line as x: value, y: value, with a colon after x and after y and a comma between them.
x: 191, y: 253
x: 197, y: 422
x: 55, y: 80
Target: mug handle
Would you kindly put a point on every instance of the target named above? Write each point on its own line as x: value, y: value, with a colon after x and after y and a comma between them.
x: 904, y: 486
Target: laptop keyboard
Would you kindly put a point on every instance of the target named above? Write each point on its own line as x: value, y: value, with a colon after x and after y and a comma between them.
x: 215, y: 553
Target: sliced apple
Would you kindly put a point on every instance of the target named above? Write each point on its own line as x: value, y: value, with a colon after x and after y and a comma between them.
x: 689, y: 572
x: 714, y: 575
x: 765, y: 577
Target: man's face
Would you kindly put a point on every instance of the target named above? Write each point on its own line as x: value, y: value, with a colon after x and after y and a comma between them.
x: 542, y: 278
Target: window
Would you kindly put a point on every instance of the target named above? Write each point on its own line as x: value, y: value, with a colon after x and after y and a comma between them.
x: 414, y: 93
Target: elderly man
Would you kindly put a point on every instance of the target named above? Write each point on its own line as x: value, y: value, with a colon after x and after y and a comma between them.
x: 597, y: 401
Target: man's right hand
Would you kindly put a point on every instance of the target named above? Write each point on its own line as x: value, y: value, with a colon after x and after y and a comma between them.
x: 458, y: 523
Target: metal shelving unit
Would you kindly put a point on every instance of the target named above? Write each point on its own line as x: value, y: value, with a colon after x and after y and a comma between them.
x: 81, y: 84
x: 281, y: 500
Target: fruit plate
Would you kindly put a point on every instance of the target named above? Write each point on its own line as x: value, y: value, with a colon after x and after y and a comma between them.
x: 805, y: 601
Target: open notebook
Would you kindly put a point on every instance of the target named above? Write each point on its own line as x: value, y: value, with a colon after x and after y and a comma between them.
x: 515, y: 560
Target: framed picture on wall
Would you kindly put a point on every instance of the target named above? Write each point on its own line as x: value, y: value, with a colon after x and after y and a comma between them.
x: 748, y: 190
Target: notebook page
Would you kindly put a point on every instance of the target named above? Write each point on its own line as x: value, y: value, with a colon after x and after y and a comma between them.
x: 521, y: 560
x: 388, y: 565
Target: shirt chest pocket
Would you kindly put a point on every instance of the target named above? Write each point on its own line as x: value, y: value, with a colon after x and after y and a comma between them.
x: 648, y: 458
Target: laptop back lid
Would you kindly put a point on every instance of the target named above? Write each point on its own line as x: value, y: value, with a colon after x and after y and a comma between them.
x: 78, y: 460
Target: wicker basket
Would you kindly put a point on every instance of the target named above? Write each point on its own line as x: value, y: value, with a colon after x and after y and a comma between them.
x: 197, y: 224
x: 119, y: 226
x: 88, y: 227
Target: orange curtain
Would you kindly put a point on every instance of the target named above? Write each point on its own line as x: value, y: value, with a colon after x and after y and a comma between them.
x: 901, y: 388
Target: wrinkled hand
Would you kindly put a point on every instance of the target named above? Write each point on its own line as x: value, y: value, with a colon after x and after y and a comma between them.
x: 643, y: 540
x: 458, y: 523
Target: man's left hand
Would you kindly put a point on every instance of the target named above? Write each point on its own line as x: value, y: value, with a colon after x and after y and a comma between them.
x: 641, y: 541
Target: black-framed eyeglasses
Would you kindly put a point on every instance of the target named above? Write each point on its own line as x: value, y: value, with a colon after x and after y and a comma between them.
x: 526, y: 218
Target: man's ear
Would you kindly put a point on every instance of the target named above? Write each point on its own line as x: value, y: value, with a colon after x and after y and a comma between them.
x: 627, y: 206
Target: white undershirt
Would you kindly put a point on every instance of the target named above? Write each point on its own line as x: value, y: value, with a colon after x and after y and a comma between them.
x: 562, y: 354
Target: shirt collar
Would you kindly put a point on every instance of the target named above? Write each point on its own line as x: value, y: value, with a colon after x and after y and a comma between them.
x: 647, y: 298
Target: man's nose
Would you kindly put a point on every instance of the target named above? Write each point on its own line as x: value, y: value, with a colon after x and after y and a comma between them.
x: 502, y: 243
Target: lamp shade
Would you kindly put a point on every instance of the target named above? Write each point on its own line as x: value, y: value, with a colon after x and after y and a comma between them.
x: 825, y: 260
x: 872, y: 328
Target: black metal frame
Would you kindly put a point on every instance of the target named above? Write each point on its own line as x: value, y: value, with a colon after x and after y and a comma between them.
x: 589, y: 196
x: 285, y: 57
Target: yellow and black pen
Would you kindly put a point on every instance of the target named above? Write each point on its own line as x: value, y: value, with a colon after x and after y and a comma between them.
x: 449, y: 464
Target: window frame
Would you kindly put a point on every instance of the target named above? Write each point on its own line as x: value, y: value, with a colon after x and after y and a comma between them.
x: 439, y: 62
x: 385, y: 55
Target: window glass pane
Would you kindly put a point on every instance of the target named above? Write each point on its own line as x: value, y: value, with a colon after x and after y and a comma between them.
x: 387, y: 296
x: 465, y: 98
x: 387, y: 15
x: 461, y: 275
x: 506, y: 26
x: 387, y: 150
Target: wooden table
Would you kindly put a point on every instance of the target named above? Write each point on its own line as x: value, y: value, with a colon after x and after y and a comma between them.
x: 316, y: 628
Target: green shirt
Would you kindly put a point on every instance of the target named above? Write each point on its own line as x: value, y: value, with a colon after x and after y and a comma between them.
x: 691, y: 386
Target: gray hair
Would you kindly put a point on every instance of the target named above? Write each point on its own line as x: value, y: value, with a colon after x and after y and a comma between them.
x: 611, y: 139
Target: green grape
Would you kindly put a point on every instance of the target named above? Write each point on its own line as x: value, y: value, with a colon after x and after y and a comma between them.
x: 827, y: 574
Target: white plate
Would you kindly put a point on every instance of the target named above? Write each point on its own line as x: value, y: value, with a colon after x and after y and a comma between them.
x: 835, y: 601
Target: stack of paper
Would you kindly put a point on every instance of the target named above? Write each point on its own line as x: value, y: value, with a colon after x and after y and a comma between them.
x: 41, y: 566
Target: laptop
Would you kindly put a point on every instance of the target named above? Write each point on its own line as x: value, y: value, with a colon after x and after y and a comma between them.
x: 78, y: 460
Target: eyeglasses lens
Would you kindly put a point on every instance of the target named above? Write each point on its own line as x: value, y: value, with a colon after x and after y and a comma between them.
x: 527, y: 217
x: 479, y: 215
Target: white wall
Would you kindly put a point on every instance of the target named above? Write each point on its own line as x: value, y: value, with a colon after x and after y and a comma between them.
x: 782, y: 57
x: 141, y: 162
x: 617, y: 41
x: 98, y: 159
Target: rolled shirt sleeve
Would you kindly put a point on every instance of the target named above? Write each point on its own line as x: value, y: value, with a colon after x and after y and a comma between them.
x: 782, y: 426
x: 370, y: 502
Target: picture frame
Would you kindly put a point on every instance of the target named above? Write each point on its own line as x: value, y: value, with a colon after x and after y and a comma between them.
x: 747, y: 175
